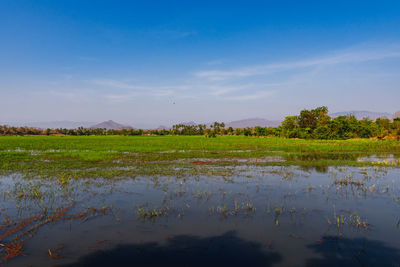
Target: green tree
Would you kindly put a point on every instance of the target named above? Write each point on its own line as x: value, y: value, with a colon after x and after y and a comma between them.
x: 288, y: 125
x: 313, y: 118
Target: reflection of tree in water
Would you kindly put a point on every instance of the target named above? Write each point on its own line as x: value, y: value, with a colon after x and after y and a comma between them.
x: 320, y: 169
x: 336, y: 251
x: 223, y: 250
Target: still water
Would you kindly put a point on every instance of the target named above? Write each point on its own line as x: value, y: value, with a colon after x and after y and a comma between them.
x: 260, y: 216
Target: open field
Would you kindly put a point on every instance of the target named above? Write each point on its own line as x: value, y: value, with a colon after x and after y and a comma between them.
x: 116, y: 156
x: 170, y: 200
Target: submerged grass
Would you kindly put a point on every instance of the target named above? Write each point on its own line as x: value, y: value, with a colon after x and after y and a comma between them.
x: 172, y: 168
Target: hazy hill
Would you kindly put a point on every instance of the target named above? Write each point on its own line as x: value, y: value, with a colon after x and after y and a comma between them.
x: 162, y: 127
x: 190, y: 123
x: 396, y: 114
x: 52, y: 124
x: 362, y: 114
x: 252, y: 122
x: 110, y: 125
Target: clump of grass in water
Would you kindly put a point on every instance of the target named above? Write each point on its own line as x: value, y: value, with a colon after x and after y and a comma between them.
x: 345, y: 182
x: 246, y: 208
x: 146, y: 213
x: 202, y: 194
x: 28, y: 191
x: 224, y: 210
x: 354, y: 220
x: 278, y: 211
x: 64, y: 179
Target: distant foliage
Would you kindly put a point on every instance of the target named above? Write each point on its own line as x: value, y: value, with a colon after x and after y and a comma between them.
x: 309, y: 124
x: 316, y: 124
x: 183, y: 129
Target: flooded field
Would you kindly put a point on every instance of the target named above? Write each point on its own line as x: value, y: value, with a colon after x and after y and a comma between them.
x: 239, y: 209
x: 280, y: 216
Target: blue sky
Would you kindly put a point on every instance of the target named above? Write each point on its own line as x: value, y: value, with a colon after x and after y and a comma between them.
x: 148, y: 63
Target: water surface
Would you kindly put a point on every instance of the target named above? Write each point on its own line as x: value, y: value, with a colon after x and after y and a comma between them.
x: 265, y: 216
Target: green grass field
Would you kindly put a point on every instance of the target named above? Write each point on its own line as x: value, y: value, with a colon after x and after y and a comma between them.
x: 118, y: 156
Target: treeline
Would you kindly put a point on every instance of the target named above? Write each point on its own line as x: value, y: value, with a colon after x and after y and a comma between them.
x: 9, y: 130
x: 180, y: 129
x: 316, y: 124
x: 309, y: 124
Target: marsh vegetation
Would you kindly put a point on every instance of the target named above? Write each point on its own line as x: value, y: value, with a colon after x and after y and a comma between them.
x: 98, y: 200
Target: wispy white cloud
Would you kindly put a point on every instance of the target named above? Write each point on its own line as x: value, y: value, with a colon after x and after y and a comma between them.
x: 250, y: 96
x: 239, y: 85
x: 131, y: 91
x: 111, y: 83
x: 58, y: 95
x: 333, y: 59
x: 188, y: 90
x: 224, y: 90
x: 73, y: 95
x: 161, y: 93
x: 120, y: 97
x: 114, y: 84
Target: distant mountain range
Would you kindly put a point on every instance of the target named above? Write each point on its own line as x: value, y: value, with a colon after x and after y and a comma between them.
x: 252, y: 122
x: 190, y: 123
x: 162, y: 127
x: 363, y: 114
x: 110, y: 125
x: 52, y: 124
